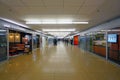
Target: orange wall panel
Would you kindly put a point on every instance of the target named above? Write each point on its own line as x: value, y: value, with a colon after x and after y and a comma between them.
x: 76, y: 40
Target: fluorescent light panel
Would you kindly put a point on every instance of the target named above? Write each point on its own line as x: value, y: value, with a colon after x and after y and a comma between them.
x: 59, y: 34
x: 11, y: 21
x: 55, y: 22
x: 38, y: 30
x: 58, y: 30
x: 2, y: 30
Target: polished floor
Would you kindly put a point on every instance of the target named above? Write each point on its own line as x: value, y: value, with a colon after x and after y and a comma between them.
x: 59, y: 62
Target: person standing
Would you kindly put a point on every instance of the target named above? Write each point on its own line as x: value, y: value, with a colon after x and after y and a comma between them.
x: 55, y: 41
x: 71, y: 41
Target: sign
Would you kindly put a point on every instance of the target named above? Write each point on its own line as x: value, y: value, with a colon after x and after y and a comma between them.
x: 112, y: 38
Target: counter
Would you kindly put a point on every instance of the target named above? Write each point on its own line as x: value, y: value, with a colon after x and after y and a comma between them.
x: 98, y: 49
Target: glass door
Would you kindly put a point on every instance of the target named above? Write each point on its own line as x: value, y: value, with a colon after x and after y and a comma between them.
x: 3, y: 44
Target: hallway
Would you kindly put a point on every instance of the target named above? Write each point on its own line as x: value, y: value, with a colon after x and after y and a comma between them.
x: 59, y: 62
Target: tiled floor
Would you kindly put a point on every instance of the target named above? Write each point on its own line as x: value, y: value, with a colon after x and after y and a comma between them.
x: 60, y: 62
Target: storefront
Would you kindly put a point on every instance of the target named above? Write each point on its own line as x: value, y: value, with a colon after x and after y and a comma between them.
x: 14, y: 39
x: 19, y: 42
x: 82, y: 42
x: 103, y: 40
x: 36, y: 41
x: 104, y: 43
x: 3, y: 44
x: 86, y: 42
x: 114, y: 46
x: 44, y: 41
x: 99, y: 43
x: 51, y: 39
x: 89, y: 42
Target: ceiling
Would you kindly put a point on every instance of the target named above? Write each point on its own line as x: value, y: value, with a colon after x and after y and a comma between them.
x: 93, y: 11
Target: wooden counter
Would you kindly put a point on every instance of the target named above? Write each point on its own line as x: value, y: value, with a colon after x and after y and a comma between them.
x: 101, y: 50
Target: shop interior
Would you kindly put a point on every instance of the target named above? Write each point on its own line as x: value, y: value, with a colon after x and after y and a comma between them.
x: 99, y: 44
x: 114, y: 46
x: 19, y: 42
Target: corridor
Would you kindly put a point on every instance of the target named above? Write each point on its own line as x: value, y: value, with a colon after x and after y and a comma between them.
x: 61, y: 62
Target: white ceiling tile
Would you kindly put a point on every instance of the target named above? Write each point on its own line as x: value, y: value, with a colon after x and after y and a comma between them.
x: 94, y: 3
x: 34, y: 3
x: 71, y: 10
x: 20, y: 9
x: 73, y: 3
x: 12, y: 2
x: 96, y: 11
x: 53, y: 3
x: 87, y: 10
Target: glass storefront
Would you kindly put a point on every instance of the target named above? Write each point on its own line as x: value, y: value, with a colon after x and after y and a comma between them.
x: 19, y: 42
x: 89, y: 43
x: 82, y: 42
x: 114, y: 46
x: 36, y: 41
x: 3, y: 44
x: 99, y: 44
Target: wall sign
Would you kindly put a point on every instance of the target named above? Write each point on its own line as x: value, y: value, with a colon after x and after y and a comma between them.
x: 112, y: 38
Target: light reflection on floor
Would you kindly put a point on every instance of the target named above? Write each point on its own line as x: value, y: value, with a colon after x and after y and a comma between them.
x: 59, y: 62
